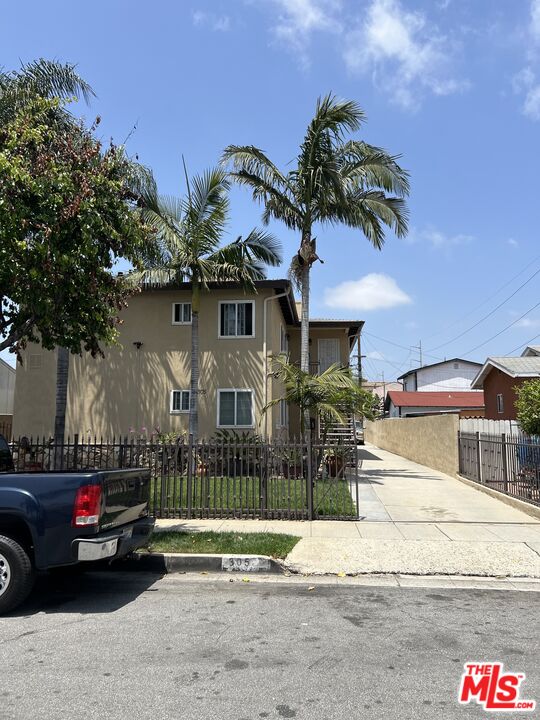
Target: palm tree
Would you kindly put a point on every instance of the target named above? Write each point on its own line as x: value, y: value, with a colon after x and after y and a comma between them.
x: 334, y: 180
x: 189, y: 231
x: 40, y: 78
x: 313, y: 394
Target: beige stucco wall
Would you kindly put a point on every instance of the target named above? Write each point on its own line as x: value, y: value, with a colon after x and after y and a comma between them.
x: 130, y: 387
x: 431, y: 441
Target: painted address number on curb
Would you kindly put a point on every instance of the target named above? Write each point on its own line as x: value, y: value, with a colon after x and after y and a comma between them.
x: 245, y: 564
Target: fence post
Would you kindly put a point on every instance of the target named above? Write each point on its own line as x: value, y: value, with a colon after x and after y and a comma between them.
x: 75, y: 450
x: 264, y: 478
x: 190, y: 478
x: 478, y: 457
x: 505, y: 461
x: 309, y: 479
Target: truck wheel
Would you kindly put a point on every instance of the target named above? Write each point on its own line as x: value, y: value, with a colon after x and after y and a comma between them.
x: 16, y: 574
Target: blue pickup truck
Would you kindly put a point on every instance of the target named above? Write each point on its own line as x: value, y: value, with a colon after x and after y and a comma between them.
x: 53, y: 519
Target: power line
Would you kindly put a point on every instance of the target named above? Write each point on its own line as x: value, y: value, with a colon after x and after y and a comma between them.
x: 484, y: 302
x: 489, y: 313
x: 503, y: 330
x: 403, y: 347
x: 525, y: 344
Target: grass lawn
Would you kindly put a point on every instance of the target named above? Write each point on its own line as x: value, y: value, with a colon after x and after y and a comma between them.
x: 272, y: 544
x: 331, y: 498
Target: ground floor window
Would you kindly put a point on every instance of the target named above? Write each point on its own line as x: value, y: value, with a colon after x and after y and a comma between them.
x: 235, y: 408
x: 179, y: 401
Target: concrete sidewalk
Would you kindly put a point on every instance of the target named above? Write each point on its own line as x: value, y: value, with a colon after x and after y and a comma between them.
x: 414, y: 520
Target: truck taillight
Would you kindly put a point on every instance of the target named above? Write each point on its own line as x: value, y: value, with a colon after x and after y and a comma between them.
x: 87, y: 506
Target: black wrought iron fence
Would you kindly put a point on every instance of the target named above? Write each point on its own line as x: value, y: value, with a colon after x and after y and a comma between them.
x: 508, y: 463
x: 228, y: 478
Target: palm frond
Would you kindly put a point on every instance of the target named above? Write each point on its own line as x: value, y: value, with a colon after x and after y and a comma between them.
x: 253, y: 161
x: 373, y: 167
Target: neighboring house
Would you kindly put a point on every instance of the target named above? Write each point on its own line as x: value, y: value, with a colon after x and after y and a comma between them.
x: 380, y: 387
x: 452, y: 375
x: 144, y: 382
x: 7, y: 392
x: 411, y: 404
x: 500, y: 375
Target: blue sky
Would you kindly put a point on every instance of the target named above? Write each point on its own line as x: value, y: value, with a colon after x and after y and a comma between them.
x: 451, y: 85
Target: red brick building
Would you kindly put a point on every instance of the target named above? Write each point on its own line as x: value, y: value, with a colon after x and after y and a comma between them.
x: 499, y: 377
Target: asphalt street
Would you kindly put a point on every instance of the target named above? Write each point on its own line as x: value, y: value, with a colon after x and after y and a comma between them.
x: 136, y: 645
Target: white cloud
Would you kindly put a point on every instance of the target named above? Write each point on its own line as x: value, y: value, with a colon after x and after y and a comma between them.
x: 374, y: 291
x: 526, y: 81
x: 512, y: 242
x: 535, y: 19
x: 528, y: 323
x: 375, y: 355
x: 221, y: 23
x: 402, y: 52
x: 437, y: 239
x: 299, y: 19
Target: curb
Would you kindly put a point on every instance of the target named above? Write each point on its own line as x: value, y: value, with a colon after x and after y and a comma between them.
x: 190, y: 562
x: 516, y: 503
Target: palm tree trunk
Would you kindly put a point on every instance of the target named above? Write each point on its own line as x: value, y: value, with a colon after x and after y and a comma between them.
x: 194, y: 384
x: 305, y: 252
x: 304, y: 329
x: 62, y: 374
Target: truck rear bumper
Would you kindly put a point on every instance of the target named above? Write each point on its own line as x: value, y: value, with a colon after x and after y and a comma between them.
x: 115, y: 544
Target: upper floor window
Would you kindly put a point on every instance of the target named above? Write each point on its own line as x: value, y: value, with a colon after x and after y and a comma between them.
x: 456, y: 366
x: 236, y: 319
x: 179, y: 401
x: 500, y: 403
x: 181, y: 313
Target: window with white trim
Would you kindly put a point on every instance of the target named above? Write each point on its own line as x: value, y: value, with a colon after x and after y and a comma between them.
x: 500, y: 403
x: 181, y: 313
x: 179, y: 401
x: 237, y: 319
x: 235, y: 408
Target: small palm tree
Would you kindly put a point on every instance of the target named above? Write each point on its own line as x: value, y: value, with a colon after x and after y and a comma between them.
x: 189, y: 232
x: 333, y: 181
x: 313, y: 394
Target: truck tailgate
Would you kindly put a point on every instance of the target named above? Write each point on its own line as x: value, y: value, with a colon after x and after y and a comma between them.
x: 126, y: 496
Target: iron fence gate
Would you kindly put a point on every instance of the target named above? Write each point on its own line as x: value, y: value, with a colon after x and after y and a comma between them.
x: 510, y: 464
x: 219, y: 479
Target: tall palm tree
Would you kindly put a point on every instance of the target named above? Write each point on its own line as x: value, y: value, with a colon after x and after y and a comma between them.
x: 333, y: 180
x: 189, y: 232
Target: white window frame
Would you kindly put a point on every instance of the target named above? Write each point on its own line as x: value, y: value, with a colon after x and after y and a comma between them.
x: 179, y: 412
x: 236, y: 336
x: 181, y: 322
x: 500, y: 403
x: 235, y: 391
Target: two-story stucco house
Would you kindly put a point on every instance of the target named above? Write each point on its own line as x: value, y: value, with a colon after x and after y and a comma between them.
x: 143, y: 382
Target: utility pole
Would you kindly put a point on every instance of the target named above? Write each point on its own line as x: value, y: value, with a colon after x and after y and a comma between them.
x: 419, y: 348
x: 360, y: 356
